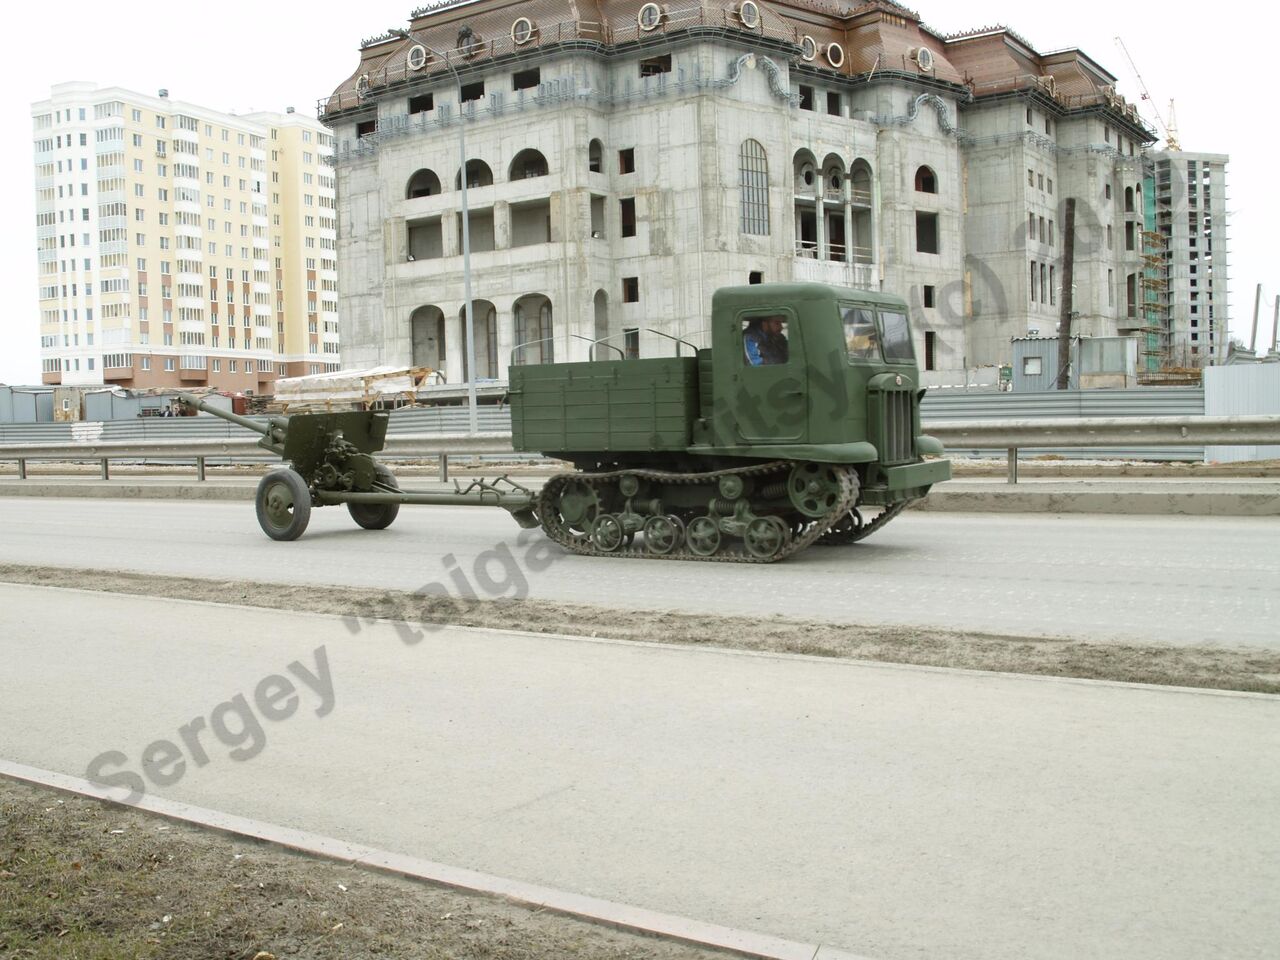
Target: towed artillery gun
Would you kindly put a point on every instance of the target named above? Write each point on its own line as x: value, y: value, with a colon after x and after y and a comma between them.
x: 803, y: 413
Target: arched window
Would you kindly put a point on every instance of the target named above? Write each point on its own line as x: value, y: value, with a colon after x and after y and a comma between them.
x: 478, y: 175
x: 926, y: 181
x: 753, y: 181
x: 595, y: 157
x: 533, y: 329
x: 424, y: 183
x: 527, y: 165
x: 1128, y: 199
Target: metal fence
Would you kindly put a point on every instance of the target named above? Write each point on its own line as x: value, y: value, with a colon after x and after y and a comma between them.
x: 939, y: 408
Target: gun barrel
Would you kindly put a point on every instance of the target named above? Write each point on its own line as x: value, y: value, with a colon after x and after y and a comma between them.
x: 193, y: 401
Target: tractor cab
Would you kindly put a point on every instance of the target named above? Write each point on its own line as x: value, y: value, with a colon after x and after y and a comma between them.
x: 809, y: 371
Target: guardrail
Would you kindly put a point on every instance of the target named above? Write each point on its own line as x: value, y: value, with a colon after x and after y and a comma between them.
x: 1009, y: 435
x: 432, y: 446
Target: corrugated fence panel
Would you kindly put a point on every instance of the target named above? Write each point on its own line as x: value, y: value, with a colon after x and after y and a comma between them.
x: 1242, y: 390
x: 1138, y: 402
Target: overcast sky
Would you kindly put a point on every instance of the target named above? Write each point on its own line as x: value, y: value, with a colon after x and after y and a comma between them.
x: 239, y: 56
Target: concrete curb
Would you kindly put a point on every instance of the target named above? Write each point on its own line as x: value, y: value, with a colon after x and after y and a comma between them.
x: 620, y: 916
x: 1201, y: 498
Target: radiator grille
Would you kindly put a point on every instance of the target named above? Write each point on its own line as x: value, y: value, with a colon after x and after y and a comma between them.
x: 897, y: 427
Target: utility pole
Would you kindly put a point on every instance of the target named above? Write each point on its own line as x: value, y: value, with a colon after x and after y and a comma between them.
x: 1257, y: 308
x: 1275, y: 325
x: 1068, y: 298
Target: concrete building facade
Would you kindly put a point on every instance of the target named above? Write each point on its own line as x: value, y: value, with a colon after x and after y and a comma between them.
x: 180, y: 246
x: 627, y: 159
x: 1191, y: 216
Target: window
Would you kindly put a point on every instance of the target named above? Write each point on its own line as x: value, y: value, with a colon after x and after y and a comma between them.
x: 473, y: 91
x: 926, y: 232
x: 862, y: 339
x: 631, y: 343
x: 928, y: 296
x: 526, y: 79
x: 652, y: 66
x: 930, y: 350
x: 764, y: 340
x: 627, y: 160
x: 423, y: 103
x: 1031, y: 178
x: 1040, y: 180
x: 833, y: 103
x: 1034, y: 274
x: 1032, y: 366
x: 926, y: 181
x: 628, y: 206
x: 630, y: 289
x: 753, y: 182
x: 806, y: 97
x: 754, y: 277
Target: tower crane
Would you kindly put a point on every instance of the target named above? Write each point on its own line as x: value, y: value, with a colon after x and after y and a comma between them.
x: 1169, y: 130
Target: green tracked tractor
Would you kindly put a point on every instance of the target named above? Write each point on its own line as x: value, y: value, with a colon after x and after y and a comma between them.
x: 803, y: 413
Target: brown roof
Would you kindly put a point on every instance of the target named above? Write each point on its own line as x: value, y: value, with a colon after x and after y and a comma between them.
x: 875, y: 35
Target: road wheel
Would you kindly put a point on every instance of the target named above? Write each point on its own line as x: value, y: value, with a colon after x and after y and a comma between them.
x: 607, y: 533
x: 662, y: 534
x: 284, y: 505
x: 377, y: 516
x: 766, y: 536
x: 703, y: 536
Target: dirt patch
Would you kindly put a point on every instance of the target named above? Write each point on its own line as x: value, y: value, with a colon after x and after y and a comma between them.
x: 1226, y: 668
x: 85, y: 879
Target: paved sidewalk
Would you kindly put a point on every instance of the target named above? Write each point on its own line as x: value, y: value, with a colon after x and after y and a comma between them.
x: 889, y: 811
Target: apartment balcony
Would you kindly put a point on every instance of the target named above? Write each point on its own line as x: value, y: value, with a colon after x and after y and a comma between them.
x: 834, y: 272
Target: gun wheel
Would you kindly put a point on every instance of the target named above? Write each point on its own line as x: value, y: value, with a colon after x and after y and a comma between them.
x: 377, y: 516
x: 284, y: 505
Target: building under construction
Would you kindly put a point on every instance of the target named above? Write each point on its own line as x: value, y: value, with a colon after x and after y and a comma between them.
x: 625, y: 159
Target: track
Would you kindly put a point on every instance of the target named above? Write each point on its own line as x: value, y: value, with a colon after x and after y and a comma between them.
x: 580, y: 542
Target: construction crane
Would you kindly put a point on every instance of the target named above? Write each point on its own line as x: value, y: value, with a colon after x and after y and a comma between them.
x: 1170, y: 130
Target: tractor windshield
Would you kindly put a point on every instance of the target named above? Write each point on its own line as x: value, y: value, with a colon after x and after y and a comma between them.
x: 897, y: 337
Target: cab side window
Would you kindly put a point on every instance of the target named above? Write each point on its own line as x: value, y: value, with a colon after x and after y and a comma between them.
x: 765, y: 341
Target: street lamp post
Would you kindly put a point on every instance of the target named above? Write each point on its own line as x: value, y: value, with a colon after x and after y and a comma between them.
x: 470, y: 372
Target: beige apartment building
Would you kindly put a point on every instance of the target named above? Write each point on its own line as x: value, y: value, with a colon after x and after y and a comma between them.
x: 179, y: 246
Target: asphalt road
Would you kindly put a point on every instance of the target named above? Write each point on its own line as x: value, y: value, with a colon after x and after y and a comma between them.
x: 893, y: 812
x: 1178, y: 580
